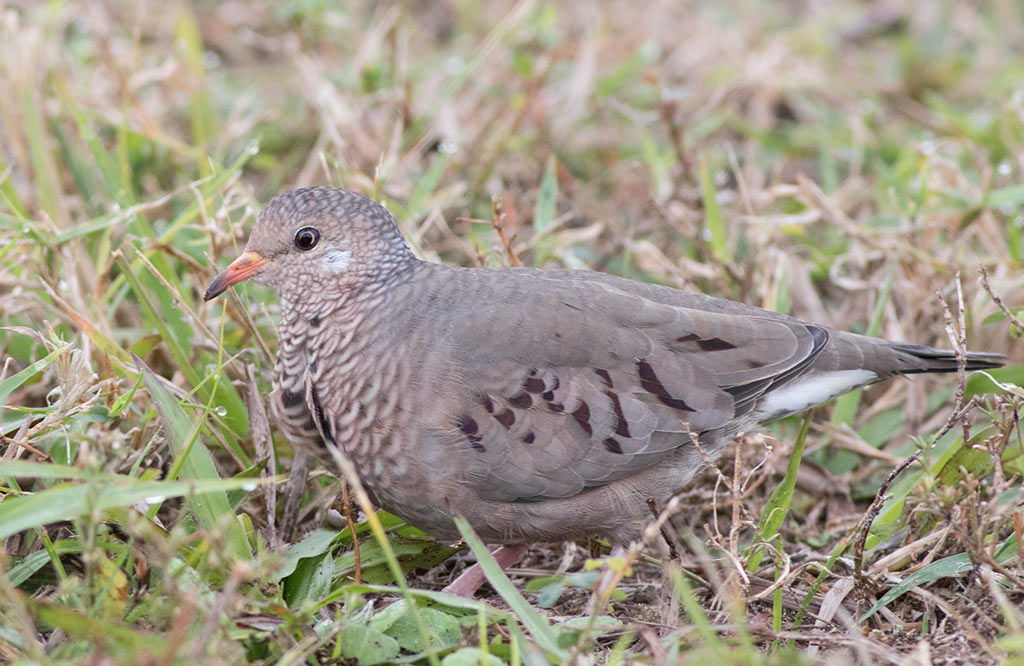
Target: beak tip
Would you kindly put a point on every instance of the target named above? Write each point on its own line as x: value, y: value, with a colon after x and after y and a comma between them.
x: 217, y: 287
x: 240, y: 269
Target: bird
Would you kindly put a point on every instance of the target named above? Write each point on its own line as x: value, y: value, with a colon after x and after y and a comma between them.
x: 541, y: 405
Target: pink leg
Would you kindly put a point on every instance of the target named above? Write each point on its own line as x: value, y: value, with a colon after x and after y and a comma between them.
x: 472, y: 578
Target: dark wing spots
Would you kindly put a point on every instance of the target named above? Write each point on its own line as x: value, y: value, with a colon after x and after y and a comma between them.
x: 715, y: 344
x: 468, y: 425
x: 293, y: 398
x: 605, y: 377
x: 650, y: 383
x: 549, y: 397
x: 529, y: 437
x: 488, y: 405
x: 582, y: 416
x: 314, y: 321
x: 506, y: 418
x: 688, y: 338
x: 675, y: 403
x: 612, y: 445
x: 521, y: 400
x: 621, y: 426
x: 470, y: 429
x: 534, y: 385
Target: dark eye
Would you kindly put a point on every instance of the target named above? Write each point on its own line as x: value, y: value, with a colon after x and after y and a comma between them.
x: 306, y: 238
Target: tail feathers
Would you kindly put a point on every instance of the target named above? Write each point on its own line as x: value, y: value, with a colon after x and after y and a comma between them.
x: 919, y: 359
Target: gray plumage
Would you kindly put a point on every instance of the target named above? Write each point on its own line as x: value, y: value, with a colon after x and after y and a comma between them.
x: 540, y: 404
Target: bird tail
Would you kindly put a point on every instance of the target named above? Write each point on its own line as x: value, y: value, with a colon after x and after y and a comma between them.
x: 919, y: 359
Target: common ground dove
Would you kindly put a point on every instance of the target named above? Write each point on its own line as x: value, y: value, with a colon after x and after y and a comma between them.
x: 541, y: 405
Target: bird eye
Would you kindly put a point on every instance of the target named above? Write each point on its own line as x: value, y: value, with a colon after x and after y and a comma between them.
x: 306, y: 238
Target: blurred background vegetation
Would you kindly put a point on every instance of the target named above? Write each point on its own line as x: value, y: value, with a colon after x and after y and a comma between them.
x: 848, y: 162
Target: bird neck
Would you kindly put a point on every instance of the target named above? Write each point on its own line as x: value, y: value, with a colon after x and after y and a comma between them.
x: 362, y: 292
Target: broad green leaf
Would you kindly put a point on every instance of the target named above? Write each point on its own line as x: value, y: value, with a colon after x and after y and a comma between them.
x: 443, y: 629
x: 366, y: 645
x: 997, y: 380
x: 411, y: 554
x: 315, y: 543
x: 311, y: 581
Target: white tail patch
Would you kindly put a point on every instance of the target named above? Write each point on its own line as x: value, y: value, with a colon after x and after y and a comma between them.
x: 336, y: 261
x: 806, y: 392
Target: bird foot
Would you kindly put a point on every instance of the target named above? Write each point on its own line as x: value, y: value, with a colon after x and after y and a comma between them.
x: 472, y: 578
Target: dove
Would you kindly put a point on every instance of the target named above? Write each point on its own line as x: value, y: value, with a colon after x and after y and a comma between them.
x: 539, y: 404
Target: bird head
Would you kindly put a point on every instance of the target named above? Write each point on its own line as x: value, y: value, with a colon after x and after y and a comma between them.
x: 317, y: 240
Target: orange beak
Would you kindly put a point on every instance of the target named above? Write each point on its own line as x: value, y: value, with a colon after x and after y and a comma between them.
x: 238, y: 270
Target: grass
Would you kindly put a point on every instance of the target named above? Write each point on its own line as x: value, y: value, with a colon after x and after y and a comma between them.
x: 853, y: 164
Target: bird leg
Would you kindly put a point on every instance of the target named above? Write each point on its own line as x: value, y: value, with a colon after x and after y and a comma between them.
x: 472, y: 578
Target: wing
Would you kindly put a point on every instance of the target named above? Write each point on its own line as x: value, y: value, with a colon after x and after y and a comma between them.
x: 569, y: 386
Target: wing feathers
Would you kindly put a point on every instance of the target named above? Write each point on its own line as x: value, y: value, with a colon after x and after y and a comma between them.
x: 594, y: 396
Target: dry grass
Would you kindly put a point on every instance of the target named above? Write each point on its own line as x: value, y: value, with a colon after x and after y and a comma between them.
x: 841, y: 161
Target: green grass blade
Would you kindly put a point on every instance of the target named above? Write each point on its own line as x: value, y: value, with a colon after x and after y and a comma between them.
x: 778, y: 503
x: 70, y: 502
x: 715, y: 225
x: 224, y: 393
x: 33, y: 562
x: 948, y: 566
x: 534, y: 622
x: 19, y: 378
x: 212, y: 509
x: 545, y: 211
